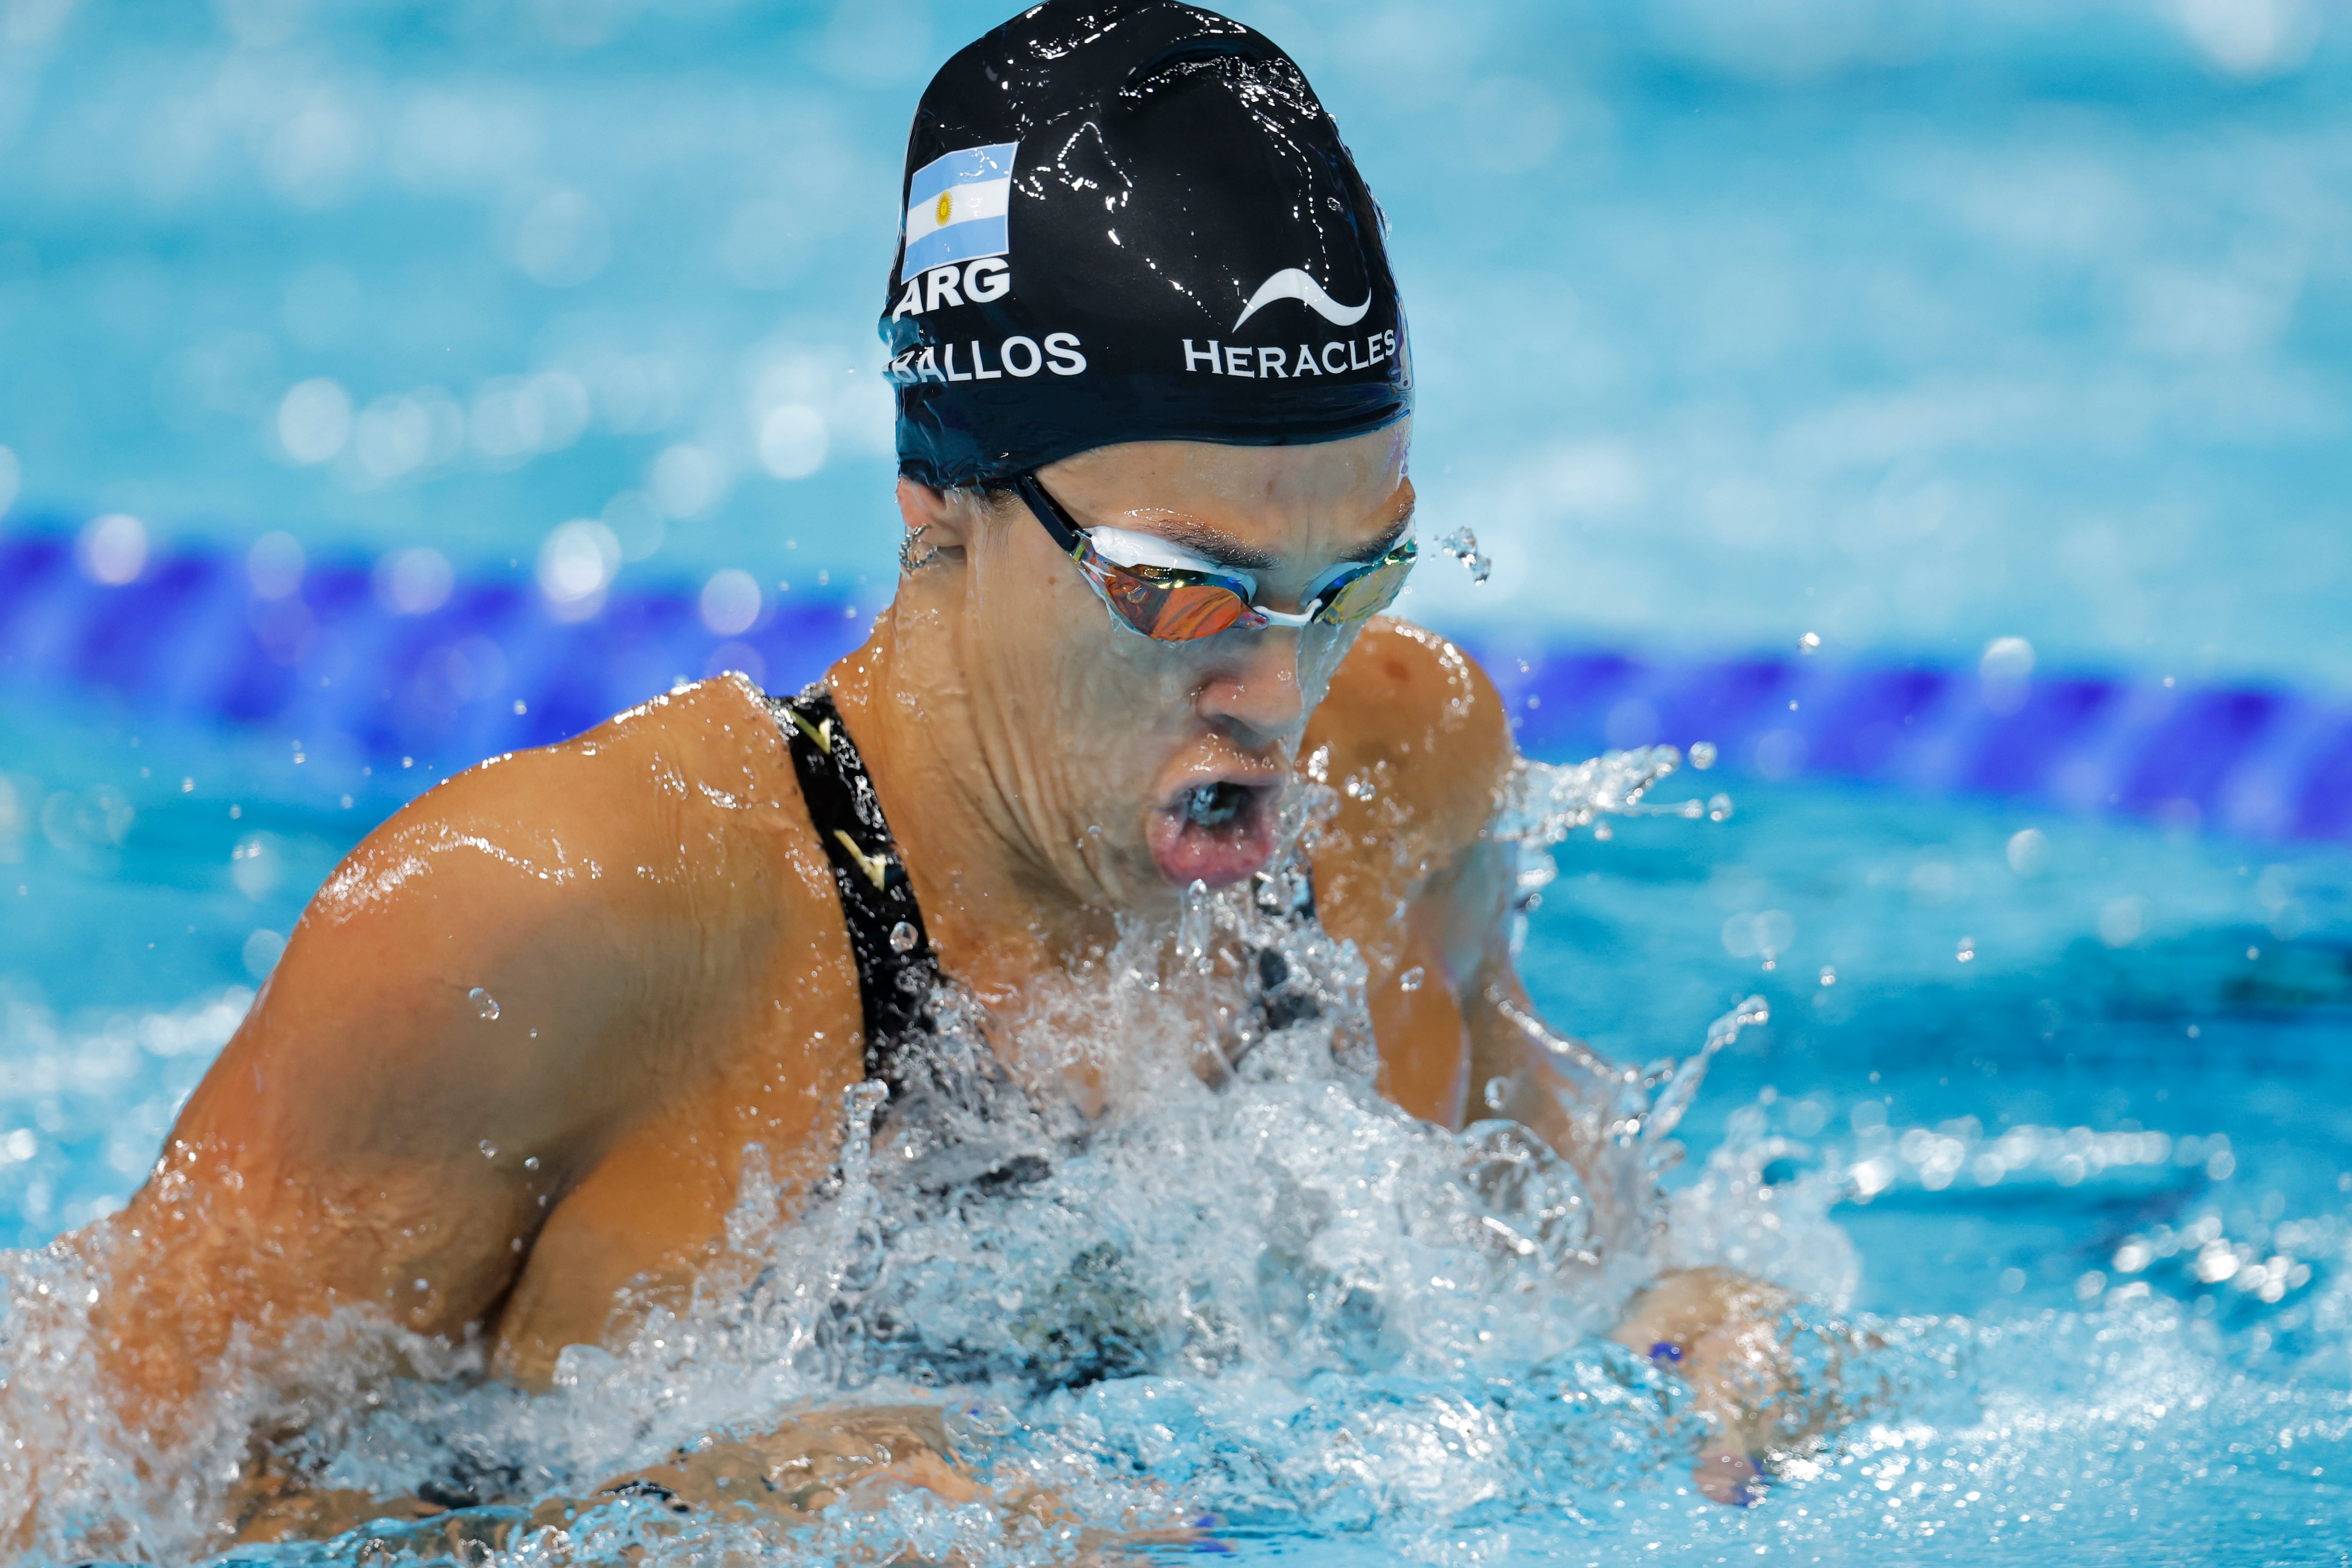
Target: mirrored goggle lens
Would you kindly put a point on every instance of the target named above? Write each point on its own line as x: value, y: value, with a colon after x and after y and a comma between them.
x: 1172, y: 609
x: 1362, y: 597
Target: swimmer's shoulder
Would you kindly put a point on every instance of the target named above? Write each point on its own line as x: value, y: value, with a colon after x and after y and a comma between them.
x: 689, y: 792
x: 609, y: 902
x: 641, y: 878
x: 1420, y: 727
x: 545, y: 959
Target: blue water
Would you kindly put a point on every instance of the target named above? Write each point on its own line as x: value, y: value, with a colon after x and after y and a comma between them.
x: 1909, y: 326
x: 1966, y: 1154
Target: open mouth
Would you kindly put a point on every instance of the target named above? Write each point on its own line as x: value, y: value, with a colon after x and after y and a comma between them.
x: 1216, y: 831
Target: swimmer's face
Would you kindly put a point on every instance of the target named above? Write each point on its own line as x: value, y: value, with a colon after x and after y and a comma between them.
x: 1135, y: 767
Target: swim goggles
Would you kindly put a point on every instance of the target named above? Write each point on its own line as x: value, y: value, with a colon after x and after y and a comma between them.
x: 1171, y: 595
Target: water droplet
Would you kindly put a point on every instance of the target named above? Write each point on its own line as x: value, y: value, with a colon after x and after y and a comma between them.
x: 1702, y: 754
x: 484, y: 1002
x: 1499, y: 1092
x: 531, y: 1163
x: 1463, y: 545
x: 1719, y: 808
x: 1810, y: 643
x: 1193, y: 929
x: 489, y: 1150
x: 1829, y: 975
x: 1411, y: 979
x: 423, y: 1285
x: 902, y: 938
x: 1967, y: 949
x: 2028, y: 851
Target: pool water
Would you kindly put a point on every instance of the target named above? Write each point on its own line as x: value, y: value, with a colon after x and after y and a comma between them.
x: 1910, y: 325
x: 1825, y: 350
x: 2053, y: 1109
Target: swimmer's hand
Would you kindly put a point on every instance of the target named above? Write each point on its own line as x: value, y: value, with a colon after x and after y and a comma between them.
x: 1726, y: 1334
x: 793, y: 1473
x: 804, y: 1467
x: 859, y: 1458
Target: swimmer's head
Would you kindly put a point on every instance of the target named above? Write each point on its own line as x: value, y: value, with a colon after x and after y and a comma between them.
x: 1139, y: 268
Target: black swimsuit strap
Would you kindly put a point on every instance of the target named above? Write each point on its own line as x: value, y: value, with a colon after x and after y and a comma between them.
x: 897, y: 972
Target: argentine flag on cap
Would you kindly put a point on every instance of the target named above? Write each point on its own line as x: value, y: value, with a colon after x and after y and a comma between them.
x: 955, y: 207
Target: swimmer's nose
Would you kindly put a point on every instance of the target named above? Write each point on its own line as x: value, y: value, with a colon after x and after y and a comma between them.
x: 1254, y: 685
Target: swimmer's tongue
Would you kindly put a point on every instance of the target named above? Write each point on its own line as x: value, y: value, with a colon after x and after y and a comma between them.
x: 1218, y: 834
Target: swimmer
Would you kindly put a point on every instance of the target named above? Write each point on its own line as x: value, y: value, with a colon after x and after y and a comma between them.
x: 1154, y: 394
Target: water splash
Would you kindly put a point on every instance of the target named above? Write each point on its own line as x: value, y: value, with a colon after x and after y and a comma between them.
x: 1543, y: 803
x: 1194, y: 925
x: 1329, y: 1292
x: 1675, y: 1096
x: 1463, y: 545
x: 1230, y: 1278
x: 1334, y: 1320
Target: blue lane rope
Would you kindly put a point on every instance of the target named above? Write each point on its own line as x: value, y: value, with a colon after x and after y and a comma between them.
x: 2247, y: 760
x: 189, y: 638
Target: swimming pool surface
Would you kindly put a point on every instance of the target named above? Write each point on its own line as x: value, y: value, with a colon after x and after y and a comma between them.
x: 2001, y: 349
x: 2059, y: 1106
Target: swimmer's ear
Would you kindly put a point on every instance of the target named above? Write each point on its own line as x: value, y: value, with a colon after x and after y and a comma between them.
x: 945, y: 519
x: 921, y: 507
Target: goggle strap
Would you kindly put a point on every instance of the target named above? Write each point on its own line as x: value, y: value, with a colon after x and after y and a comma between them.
x: 1060, y: 526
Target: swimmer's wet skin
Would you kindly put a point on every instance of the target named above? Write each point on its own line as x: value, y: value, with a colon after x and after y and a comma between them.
x: 657, y: 920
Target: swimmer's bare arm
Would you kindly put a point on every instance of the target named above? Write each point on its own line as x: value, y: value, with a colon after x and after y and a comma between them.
x: 485, y: 995
x: 1416, y: 739
x: 1405, y: 871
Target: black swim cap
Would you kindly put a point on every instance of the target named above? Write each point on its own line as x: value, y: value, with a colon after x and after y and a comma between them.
x: 1129, y: 220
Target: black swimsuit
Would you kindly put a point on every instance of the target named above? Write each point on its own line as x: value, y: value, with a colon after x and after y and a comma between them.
x: 897, y: 972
